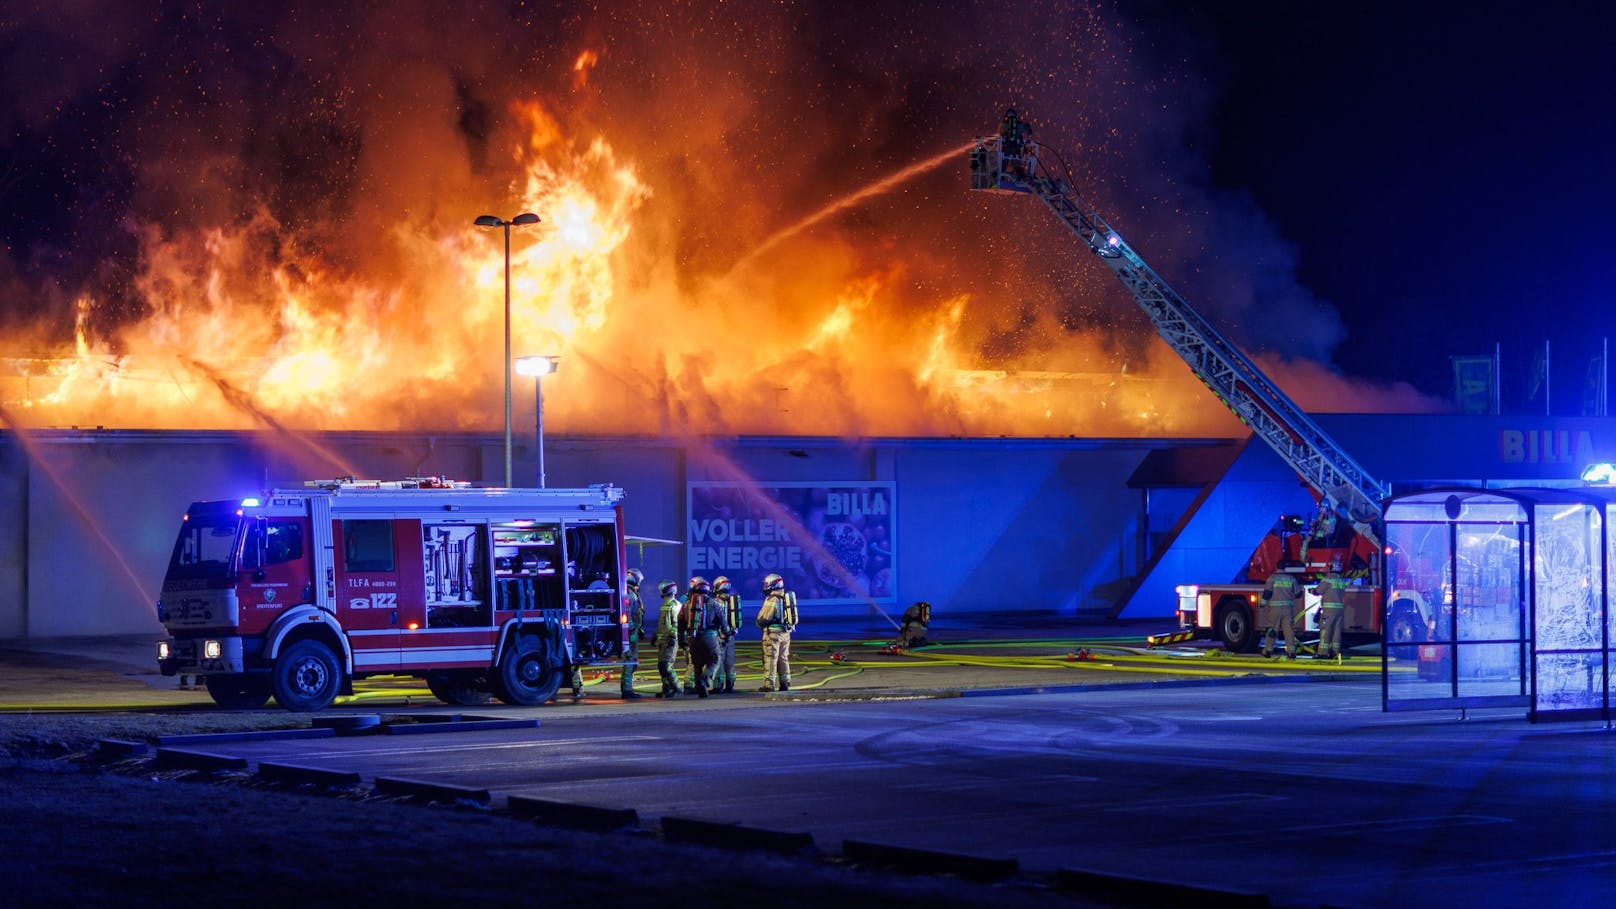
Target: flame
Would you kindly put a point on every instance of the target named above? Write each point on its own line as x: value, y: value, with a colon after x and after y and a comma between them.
x: 580, y: 68
x: 659, y: 272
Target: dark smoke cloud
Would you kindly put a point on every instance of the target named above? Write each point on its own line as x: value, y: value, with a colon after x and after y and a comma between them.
x: 128, y: 123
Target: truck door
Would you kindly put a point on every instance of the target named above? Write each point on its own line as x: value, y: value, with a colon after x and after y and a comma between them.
x: 275, y: 571
x: 594, y: 585
x: 372, y: 602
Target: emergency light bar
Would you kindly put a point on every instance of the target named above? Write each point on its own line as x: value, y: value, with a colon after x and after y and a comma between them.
x: 1600, y: 474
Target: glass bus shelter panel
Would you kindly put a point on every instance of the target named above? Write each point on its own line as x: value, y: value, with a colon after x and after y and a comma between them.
x: 1568, y: 615
x: 1570, y: 681
x: 1484, y: 606
x: 1568, y: 607
x: 1488, y: 581
x: 1610, y: 592
x: 1494, y: 669
x: 1418, y: 562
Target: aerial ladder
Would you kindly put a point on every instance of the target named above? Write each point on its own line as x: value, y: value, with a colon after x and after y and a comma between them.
x: 1011, y: 162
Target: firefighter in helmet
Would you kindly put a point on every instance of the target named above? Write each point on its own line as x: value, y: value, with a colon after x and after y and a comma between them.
x: 697, y: 587
x: 916, y: 622
x: 1279, y: 613
x: 709, y: 623
x: 724, y: 595
x: 1332, y: 591
x: 777, y: 618
x: 667, y: 638
x: 635, y: 607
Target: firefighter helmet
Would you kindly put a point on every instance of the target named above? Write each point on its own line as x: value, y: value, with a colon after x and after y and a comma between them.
x: 635, y: 576
x: 774, y: 582
x: 667, y: 588
x: 699, y: 584
x: 720, y: 584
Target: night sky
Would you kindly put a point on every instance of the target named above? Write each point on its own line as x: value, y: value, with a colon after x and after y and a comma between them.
x: 1374, y: 187
x: 1443, y: 169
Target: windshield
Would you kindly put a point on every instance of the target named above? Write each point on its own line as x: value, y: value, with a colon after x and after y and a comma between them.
x: 207, y: 542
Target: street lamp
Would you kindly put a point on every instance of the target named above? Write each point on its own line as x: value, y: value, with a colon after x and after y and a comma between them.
x: 538, y: 368
x: 491, y: 221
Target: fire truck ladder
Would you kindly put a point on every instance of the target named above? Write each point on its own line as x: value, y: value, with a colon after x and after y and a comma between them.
x: 1011, y: 163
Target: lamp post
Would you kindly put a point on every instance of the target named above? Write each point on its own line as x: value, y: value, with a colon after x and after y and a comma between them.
x: 538, y: 368
x: 491, y: 221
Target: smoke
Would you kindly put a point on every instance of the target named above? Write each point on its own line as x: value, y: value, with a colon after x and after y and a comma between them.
x: 277, y: 199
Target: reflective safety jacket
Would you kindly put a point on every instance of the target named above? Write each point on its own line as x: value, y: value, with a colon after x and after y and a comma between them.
x: 668, y: 621
x: 1281, y: 589
x: 636, y: 615
x: 1332, y: 592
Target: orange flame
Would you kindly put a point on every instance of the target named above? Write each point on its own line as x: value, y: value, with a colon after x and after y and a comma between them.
x: 797, y: 336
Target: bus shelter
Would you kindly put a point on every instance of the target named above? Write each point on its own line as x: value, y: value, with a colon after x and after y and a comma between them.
x: 1515, y: 588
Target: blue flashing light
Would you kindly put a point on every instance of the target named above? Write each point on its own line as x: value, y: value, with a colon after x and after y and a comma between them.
x: 251, y: 502
x: 1600, y: 474
x: 1113, y: 241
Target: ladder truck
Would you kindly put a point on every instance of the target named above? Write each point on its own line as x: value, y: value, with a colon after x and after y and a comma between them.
x: 1011, y: 162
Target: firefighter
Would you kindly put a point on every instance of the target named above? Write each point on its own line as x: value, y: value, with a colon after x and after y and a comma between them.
x: 916, y: 622
x: 687, y: 616
x: 1279, y: 613
x: 636, y: 630
x: 1332, y: 591
x: 667, y: 638
x: 777, y: 618
x: 724, y: 594
x: 709, y: 622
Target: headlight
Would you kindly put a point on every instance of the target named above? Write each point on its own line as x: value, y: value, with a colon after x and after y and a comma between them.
x: 1188, y: 590
x: 212, y: 650
x: 162, y: 650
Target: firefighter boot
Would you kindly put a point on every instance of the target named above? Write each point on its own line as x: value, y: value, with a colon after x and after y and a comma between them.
x: 785, y: 684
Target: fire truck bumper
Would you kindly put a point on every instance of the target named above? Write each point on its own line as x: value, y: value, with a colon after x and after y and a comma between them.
x: 200, y: 656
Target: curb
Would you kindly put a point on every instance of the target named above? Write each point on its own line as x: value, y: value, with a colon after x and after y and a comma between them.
x: 348, y: 724
x: 566, y: 814
x: 183, y: 759
x: 118, y: 749
x: 1138, y: 891
x: 735, y: 836
x: 259, y: 735
x: 926, y: 861
x: 430, y: 792
x: 297, y: 775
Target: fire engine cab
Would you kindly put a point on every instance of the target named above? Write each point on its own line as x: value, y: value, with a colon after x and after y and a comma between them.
x: 479, y: 591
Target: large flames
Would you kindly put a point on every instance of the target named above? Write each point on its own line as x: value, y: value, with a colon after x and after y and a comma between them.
x: 758, y: 319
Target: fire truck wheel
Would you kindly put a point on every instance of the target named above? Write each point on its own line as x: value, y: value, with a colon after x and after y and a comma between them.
x: 526, y: 677
x: 1405, y: 630
x: 238, y: 692
x: 1234, y: 627
x: 306, y: 677
x: 457, y: 688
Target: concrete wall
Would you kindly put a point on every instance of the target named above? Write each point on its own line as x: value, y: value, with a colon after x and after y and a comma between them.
x: 87, y: 519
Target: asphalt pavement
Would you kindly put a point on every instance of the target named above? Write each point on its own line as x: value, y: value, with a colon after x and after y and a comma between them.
x: 847, y: 660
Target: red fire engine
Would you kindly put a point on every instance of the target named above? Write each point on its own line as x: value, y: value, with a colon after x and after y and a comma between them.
x: 1228, y: 612
x: 486, y: 591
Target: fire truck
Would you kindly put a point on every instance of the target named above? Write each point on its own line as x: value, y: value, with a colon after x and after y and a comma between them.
x: 479, y: 591
x: 1011, y: 162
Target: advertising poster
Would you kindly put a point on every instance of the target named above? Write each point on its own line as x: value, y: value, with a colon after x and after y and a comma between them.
x: 832, y: 542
